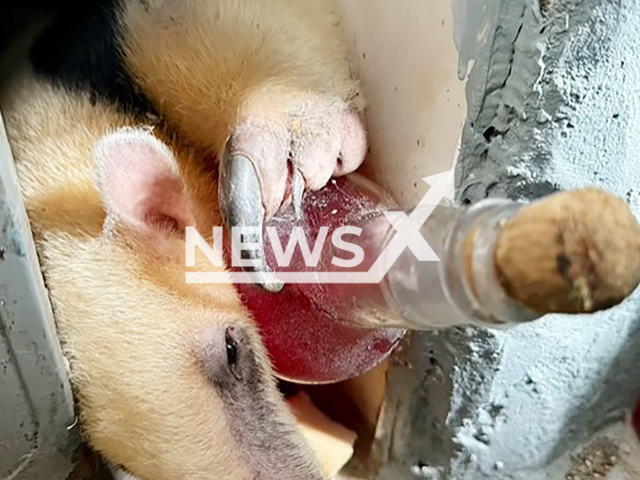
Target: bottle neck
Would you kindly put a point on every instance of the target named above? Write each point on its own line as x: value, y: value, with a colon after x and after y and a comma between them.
x: 471, y: 281
x: 462, y: 287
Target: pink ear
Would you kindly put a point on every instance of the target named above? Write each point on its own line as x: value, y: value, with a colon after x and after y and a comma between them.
x: 139, y: 181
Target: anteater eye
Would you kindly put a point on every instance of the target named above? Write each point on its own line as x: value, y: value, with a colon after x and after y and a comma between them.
x: 232, y: 353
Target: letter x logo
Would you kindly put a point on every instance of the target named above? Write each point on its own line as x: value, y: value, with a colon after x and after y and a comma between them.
x: 408, y: 227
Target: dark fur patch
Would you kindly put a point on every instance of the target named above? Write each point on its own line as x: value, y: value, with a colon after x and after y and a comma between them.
x: 271, y: 445
x: 80, y: 50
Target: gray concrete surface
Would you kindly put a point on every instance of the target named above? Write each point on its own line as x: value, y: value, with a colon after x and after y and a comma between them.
x: 37, y: 434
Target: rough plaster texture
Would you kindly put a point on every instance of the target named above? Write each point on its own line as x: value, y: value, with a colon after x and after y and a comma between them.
x: 554, y: 103
x: 37, y: 419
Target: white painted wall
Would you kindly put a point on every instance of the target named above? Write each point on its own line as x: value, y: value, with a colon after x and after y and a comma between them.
x: 404, y: 53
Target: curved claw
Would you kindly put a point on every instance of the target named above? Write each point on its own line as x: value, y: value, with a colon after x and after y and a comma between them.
x: 297, y: 193
x: 240, y: 201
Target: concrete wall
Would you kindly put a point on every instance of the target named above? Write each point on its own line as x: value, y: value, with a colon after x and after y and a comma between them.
x: 553, y: 102
x: 38, y: 430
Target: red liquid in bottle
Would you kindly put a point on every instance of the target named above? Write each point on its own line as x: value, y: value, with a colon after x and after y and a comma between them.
x: 311, y: 330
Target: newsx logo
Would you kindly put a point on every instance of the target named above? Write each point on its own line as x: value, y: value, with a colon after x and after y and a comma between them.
x: 407, y: 235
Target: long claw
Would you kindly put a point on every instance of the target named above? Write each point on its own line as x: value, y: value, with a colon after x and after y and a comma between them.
x: 240, y: 201
x: 297, y: 192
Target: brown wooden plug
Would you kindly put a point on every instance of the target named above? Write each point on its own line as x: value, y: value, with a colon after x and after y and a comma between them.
x: 570, y: 252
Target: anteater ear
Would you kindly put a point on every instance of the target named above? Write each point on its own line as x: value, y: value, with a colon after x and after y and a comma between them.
x: 140, y: 183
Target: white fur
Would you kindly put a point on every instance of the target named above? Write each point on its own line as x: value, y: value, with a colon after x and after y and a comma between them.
x: 119, y: 474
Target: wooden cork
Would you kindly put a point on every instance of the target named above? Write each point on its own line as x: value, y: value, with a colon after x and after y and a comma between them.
x: 570, y: 252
